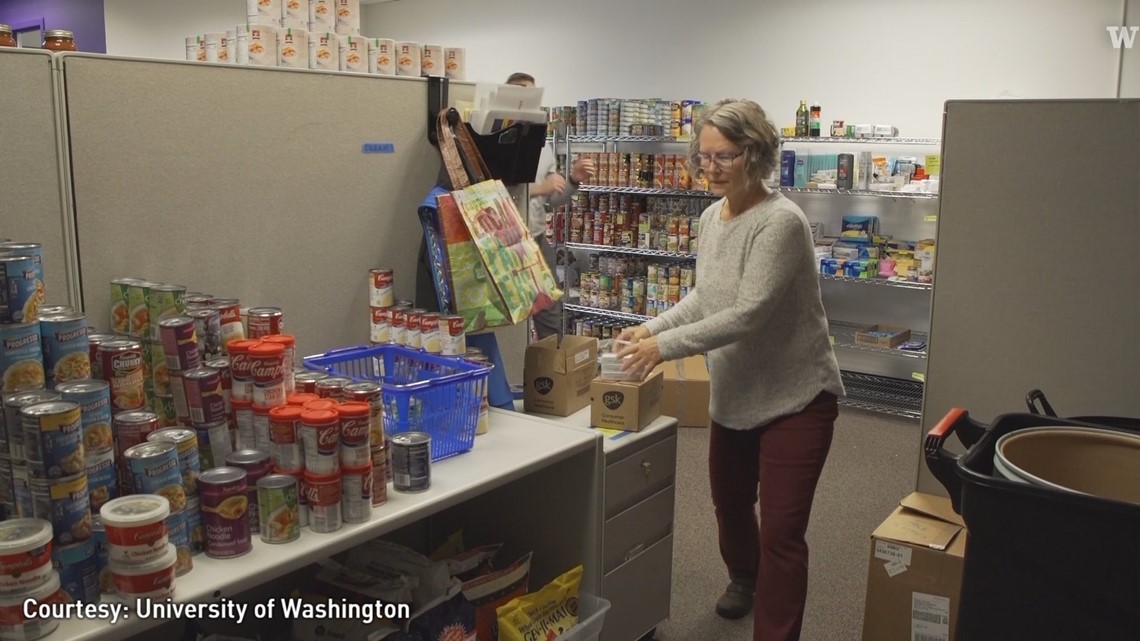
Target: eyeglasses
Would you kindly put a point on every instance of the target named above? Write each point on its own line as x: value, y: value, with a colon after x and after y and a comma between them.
x: 722, y: 160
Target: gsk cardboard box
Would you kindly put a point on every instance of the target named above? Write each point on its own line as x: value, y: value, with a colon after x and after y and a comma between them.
x: 914, y: 576
x: 686, y: 393
x: 557, y: 377
x: 620, y: 405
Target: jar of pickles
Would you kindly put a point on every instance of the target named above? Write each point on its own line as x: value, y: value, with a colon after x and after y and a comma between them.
x: 6, y: 37
x: 59, y: 40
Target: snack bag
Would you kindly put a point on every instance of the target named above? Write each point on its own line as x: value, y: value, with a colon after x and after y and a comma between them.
x: 543, y: 615
x: 489, y: 591
x: 450, y: 620
x: 473, y: 563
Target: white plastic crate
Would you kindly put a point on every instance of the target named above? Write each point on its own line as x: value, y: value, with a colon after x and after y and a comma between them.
x: 591, y: 617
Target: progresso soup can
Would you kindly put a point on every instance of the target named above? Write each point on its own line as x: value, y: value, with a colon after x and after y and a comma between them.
x: 78, y: 568
x: 102, y: 478
x: 154, y: 469
x: 13, y: 424
x: 94, y: 398
x: 53, y: 439
x: 66, y: 503
x: 21, y: 357
x: 185, y: 440
x: 64, y: 341
x: 23, y: 288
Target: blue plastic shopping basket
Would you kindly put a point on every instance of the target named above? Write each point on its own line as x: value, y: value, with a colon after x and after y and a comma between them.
x: 423, y: 392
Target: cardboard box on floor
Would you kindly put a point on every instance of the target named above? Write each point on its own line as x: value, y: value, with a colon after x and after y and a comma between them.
x: 914, y: 576
x: 620, y: 405
x: 686, y: 393
x: 557, y: 378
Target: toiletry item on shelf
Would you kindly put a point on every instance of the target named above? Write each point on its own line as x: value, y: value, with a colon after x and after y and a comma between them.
x: 845, y: 175
x: 814, y: 118
x: 788, y: 168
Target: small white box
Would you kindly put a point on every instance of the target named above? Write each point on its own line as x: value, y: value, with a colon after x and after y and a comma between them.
x: 293, y: 48
x: 353, y: 54
x: 408, y: 59
x: 455, y: 63
x: 324, y: 51
x: 382, y: 56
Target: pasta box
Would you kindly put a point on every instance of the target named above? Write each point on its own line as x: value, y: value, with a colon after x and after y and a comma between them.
x: 626, y: 405
x: 558, y: 377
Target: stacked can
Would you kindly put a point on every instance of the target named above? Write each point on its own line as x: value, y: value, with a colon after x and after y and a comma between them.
x: 264, y: 321
x: 289, y: 342
x: 156, y: 469
x: 26, y: 573
x: 140, y: 552
x: 381, y: 299
x: 373, y: 395
x: 15, y: 488
x: 229, y: 311
x: 321, y: 484
x: 94, y: 399
x: 306, y: 382
x: 279, y: 508
x: 185, y: 441
x: 257, y: 465
x: 356, y: 461
x: 241, y: 394
x: 66, y: 355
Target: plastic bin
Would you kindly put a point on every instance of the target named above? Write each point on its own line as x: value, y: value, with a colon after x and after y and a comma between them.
x: 591, y: 617
x: 423, y: 392
x: 1040, y: 563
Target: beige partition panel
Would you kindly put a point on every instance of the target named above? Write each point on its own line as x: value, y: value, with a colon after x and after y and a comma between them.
x: 1038, y: 275
x: 33, y: 204
x: 249, y: 182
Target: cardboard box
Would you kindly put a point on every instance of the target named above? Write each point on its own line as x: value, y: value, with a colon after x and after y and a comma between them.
x: 914, y: 576
x: 685, y: 395
x: 558, y: 378
x: 895, y: 336
x: 619, y: 405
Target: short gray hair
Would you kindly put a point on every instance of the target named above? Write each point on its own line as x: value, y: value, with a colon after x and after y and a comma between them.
x: 745, y: 124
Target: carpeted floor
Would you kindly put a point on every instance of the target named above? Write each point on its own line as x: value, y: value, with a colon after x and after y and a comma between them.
x: 872, y: 464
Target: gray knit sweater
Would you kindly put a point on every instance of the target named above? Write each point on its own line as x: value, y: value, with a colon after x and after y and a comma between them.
x: 756, y: 311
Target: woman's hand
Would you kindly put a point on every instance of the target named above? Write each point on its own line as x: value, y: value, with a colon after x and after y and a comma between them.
x: 583, y: 170
x: 631, y: 335
x: 641, y: 357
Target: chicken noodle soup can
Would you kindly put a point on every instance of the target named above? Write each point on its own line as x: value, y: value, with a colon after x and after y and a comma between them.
x: 286, y: 450
x: 379, y: 330
x: 356, y: 494
x: 53, y: 439
x: 332, y: 387
x: 179, y: 343
x: 122, y: 365
x: 241, y: 376
x: 429, y: 333
x: 155, y: 470
x: 23, y: 291
x: 373, y: 395
x: 25, y: 554
x: 289, y: 342
x: 102, y: 479
x: 203, y: 387
x: 64, y: 341
x: 222, y: 366
x: 257, y: 465
x: 320, y: 438
x: 229, y: 309
x: 66, y: 503
x: 452, y: 336
x: 306, y: 382
x: 186, y: 446
x: 322, y: 495
x: 411, y: 462
x: 355, y: 434
x: 381, y: 290
x: 21, y: 357
x: 265, y: 321
x: 207, y: 331
x: 278, y: 506
x: 225, y: 512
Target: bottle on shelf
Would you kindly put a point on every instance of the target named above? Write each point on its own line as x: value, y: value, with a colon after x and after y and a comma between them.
x: 814, y: 119
x: 59, y: 40
x: 802, y: 120
x: 845, y: 171
x: 788, y: 168
x: 6, y: 37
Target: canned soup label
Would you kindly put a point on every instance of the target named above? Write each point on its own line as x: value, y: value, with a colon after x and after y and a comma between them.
x: 21, y: 357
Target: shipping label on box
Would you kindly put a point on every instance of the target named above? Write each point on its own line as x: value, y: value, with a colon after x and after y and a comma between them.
x: 625, y: 405
x: 557, y: 378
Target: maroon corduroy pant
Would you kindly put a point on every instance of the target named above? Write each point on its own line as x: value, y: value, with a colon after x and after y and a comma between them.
x: 779, y: 463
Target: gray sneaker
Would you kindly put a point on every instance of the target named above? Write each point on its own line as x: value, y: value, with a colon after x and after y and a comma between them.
x: 736, y: 601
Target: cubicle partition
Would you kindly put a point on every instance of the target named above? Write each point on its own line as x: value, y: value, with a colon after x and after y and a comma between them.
x: 34, y: 203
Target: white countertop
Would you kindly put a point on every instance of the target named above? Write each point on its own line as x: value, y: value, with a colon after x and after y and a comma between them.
x: 511, y: 449
x: 612, y: 440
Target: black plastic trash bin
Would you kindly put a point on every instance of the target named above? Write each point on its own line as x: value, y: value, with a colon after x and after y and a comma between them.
x: 1040, y: 563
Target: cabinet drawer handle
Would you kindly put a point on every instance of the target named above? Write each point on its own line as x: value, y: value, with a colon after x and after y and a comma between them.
x: 646, y: 468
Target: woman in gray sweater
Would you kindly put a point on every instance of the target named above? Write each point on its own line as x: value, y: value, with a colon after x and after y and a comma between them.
x: 756, y: 312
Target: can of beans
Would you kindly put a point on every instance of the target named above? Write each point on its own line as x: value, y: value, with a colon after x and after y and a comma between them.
x: 66, y: 503
x: 356, y: 494
x: 411, y: 462
x: 93, y: 343
x: 452, y: 336
x: 78, y: 571
x: 299, y: 399
x: 373, y: 395
x: 178, y: 336
x: 429, y: 333
x: 278, y: 507
x: 381, y: 290
x: 257, y: 465
x: 203, y: 387
x: 306, y: 382
x: 380, y: 331
x: 186, y: 445
x: 131, y: 429
x: 207, y: 331
x: 53, y: 439
x: 154, y: 470
x: 164, y: 301
x: 289, y: 342
x: 267, y: 368
x: 241, y: 364
x: 229, y: 309
x: 261, y: 437
x: 64, y: 341
x: 322, y: 493
x: 412, y: 337
x: 284, y: 435
x: 320, y: 438
x: 243, y: 422
x: 225, y: 512
x: 102, y: 478
x: 178, y: 396
x: 121, y: 363
x: 222, y: 365
x: 214, y: 444
x: 355, y: 434
x: 398, y: 322
x: 332, y: 387
x: 379, y: 456
x: 265, y: 321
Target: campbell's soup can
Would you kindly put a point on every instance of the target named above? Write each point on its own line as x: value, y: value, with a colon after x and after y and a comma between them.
x: 241, y: 362
x: 122, y: 365
x: 179, y: 339
x: 265, y: 321
x: 382, y: 288
x: 267, y: 368
x: 306, y: 382
x: 429, y: 333
x: 203, y: 388
x: 398, y: 321
x: 380, y: 331
x: 299, y: 399
x: 102, y: 478
x: 379, y: 475
x: 286, y: 449
x: 25, y: 554
x: 94, y: 398
x: 222, y: 366
x: 355, y: 434
x: 452, y: 336
x: 289, y: 342
x: 214, y: 445
x: 121, y: 305
x: 322, y: 494
x: 229, y: 309
x: 93, y: 343
x: 261, y: 436
x: 320, y: 438
x: 245, y: 438
x: 332, y: 387
x: 21, y: 357
x: 412, y: 336
x: 53, y: 439
x: 66, y: 503
x: 356, y: 493
x: 278, y: 507
x: 178, y: 397
x: 257, y: 465
x: 373, y: 395
x: 64, y: 341
x: 131, y: 429
x: 185, y: 441
x: 225, y: 512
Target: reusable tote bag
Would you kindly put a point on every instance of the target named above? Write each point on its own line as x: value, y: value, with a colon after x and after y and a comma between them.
x: 510, y: 260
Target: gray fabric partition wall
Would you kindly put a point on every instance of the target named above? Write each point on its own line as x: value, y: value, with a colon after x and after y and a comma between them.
x: 1038, y: 271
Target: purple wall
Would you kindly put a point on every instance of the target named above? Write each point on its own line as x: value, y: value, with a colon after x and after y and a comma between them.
x: 83, y: 17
